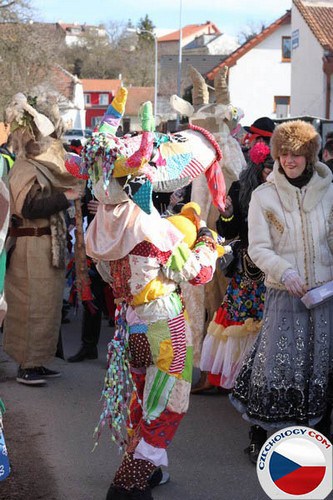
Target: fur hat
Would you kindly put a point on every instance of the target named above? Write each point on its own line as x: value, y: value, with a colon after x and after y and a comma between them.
x: 298, y: 137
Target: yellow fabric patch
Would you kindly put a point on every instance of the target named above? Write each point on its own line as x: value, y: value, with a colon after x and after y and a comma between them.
x: 121, y: 169
x: 174, y: 148
x: 154, y: 289
x: 165, y: 356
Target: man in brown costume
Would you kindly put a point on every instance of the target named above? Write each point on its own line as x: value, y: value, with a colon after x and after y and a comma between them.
x: 40, y: 190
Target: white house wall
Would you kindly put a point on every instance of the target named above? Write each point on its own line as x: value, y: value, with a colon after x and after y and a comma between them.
x: 307, y: 77
x: 260, y: 75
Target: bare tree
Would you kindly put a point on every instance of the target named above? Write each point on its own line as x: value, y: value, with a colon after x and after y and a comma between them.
x: 250, y: 31
x: 15, y: 10
x: 27, y: 53
x: 117, y: 53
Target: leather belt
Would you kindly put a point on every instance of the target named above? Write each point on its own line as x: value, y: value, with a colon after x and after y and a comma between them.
x: 29, y: 231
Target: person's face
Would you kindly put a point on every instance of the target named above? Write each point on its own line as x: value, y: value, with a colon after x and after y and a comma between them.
x: 293, y: 165
x: 265, y: 173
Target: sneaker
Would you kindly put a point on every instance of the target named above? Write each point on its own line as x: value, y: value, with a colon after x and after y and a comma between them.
x: 45, y: 372
x: 30, y: 376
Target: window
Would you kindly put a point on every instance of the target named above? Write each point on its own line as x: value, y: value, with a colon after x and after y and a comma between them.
x: 96, y: 120
x: 87, y: 99
x: 103, y: 99
x: 281, y: 106
x: 286, y: 48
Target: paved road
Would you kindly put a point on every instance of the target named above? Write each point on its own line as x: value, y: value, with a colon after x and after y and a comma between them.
x: 49, y: 437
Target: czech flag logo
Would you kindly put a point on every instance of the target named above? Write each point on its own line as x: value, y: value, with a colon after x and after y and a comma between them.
x: 296, y: 462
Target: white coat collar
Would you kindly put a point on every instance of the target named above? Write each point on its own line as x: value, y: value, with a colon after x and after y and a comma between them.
x: 315, y: 189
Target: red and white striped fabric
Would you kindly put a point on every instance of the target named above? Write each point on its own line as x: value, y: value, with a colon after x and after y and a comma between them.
x: 193, y: 169
x: 178, y: 341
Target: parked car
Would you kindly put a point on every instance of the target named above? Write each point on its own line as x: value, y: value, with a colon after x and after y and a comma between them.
x: 76, y: 133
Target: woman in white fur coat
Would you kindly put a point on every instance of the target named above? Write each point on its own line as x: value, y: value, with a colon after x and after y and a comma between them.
x: 286, y: 380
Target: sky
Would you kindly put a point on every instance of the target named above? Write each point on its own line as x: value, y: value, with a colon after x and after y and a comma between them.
x: 230, y: 16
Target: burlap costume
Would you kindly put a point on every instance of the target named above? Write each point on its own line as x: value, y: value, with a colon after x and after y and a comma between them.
x: 35, y: 277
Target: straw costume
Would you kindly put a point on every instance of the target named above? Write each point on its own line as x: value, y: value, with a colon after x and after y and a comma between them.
x: 35, y: 276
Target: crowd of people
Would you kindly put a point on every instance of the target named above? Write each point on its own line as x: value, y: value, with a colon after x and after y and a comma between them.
x: 272, y: 353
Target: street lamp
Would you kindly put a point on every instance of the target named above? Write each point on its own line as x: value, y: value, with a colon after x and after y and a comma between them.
x: 138, y: 31
x: 179, y: 75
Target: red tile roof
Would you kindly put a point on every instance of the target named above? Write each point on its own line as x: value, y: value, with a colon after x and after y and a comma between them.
x: 93, y: 85
x: 191, y: 30
x: 137, y: 96
x: 247, y: 46
x: 319, y: 18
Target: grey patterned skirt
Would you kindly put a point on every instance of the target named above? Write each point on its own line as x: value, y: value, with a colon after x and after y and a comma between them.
x: 287, y: 377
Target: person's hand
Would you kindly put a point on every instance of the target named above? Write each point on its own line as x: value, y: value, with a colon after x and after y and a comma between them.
x: 93, y: 206
x: 75, y: 193
x: 228, y: 209
x: 293, y: 283
x: 176, y: 197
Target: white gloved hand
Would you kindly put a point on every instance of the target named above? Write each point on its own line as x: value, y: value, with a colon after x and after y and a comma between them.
x: 293, y: 283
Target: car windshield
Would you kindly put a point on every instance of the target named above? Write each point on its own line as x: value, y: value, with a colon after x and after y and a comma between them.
x: 74, y: 131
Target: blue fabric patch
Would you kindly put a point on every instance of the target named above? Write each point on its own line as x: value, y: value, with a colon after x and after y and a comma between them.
x: 176, y: 164
x: 141, y: 328
x: 143, y: 197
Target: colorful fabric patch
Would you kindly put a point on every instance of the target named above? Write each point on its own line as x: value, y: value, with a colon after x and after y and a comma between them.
x: 156, y: 394
x: 216, y: 185
x: 140, y: 350
x: 178, y: 340
x: 154, y: 289
x: 147, y: 249
x: 138, y: 328
x: 140, y: 190
x: 174, y: 149
x: 179, y: 397
x: 188, y: 367
x: 179, y: 257
x: 121, y: 274
x: 145, y: 451
x: 160, y: 432
x: 165, y: 356
x: 205, y: 275
x: 193, y: 169
x: 157, y: 333
x: 176, y: 165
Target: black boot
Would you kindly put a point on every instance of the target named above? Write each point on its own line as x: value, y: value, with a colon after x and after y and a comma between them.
x: 324, y: 426
x: 116, y: 493
x: 258, y: 436
x: 86, y: 352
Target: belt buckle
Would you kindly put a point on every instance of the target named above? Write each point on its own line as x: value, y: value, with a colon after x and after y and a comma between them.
x: 36, y: 231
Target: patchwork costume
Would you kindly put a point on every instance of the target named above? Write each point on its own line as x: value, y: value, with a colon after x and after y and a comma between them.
x: 145, y: 259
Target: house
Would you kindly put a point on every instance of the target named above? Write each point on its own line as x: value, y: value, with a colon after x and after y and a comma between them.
x: 260, y: 72
x: 71, y: 101
x: 136, y: 97
x: 214, y: 44
x: 98, y: 94
x: 169, y: 44
x: 168, y: 71
x: 75, y: 32
x: 312, y: 59
x: 68, y: 91
x: 203, y: 46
